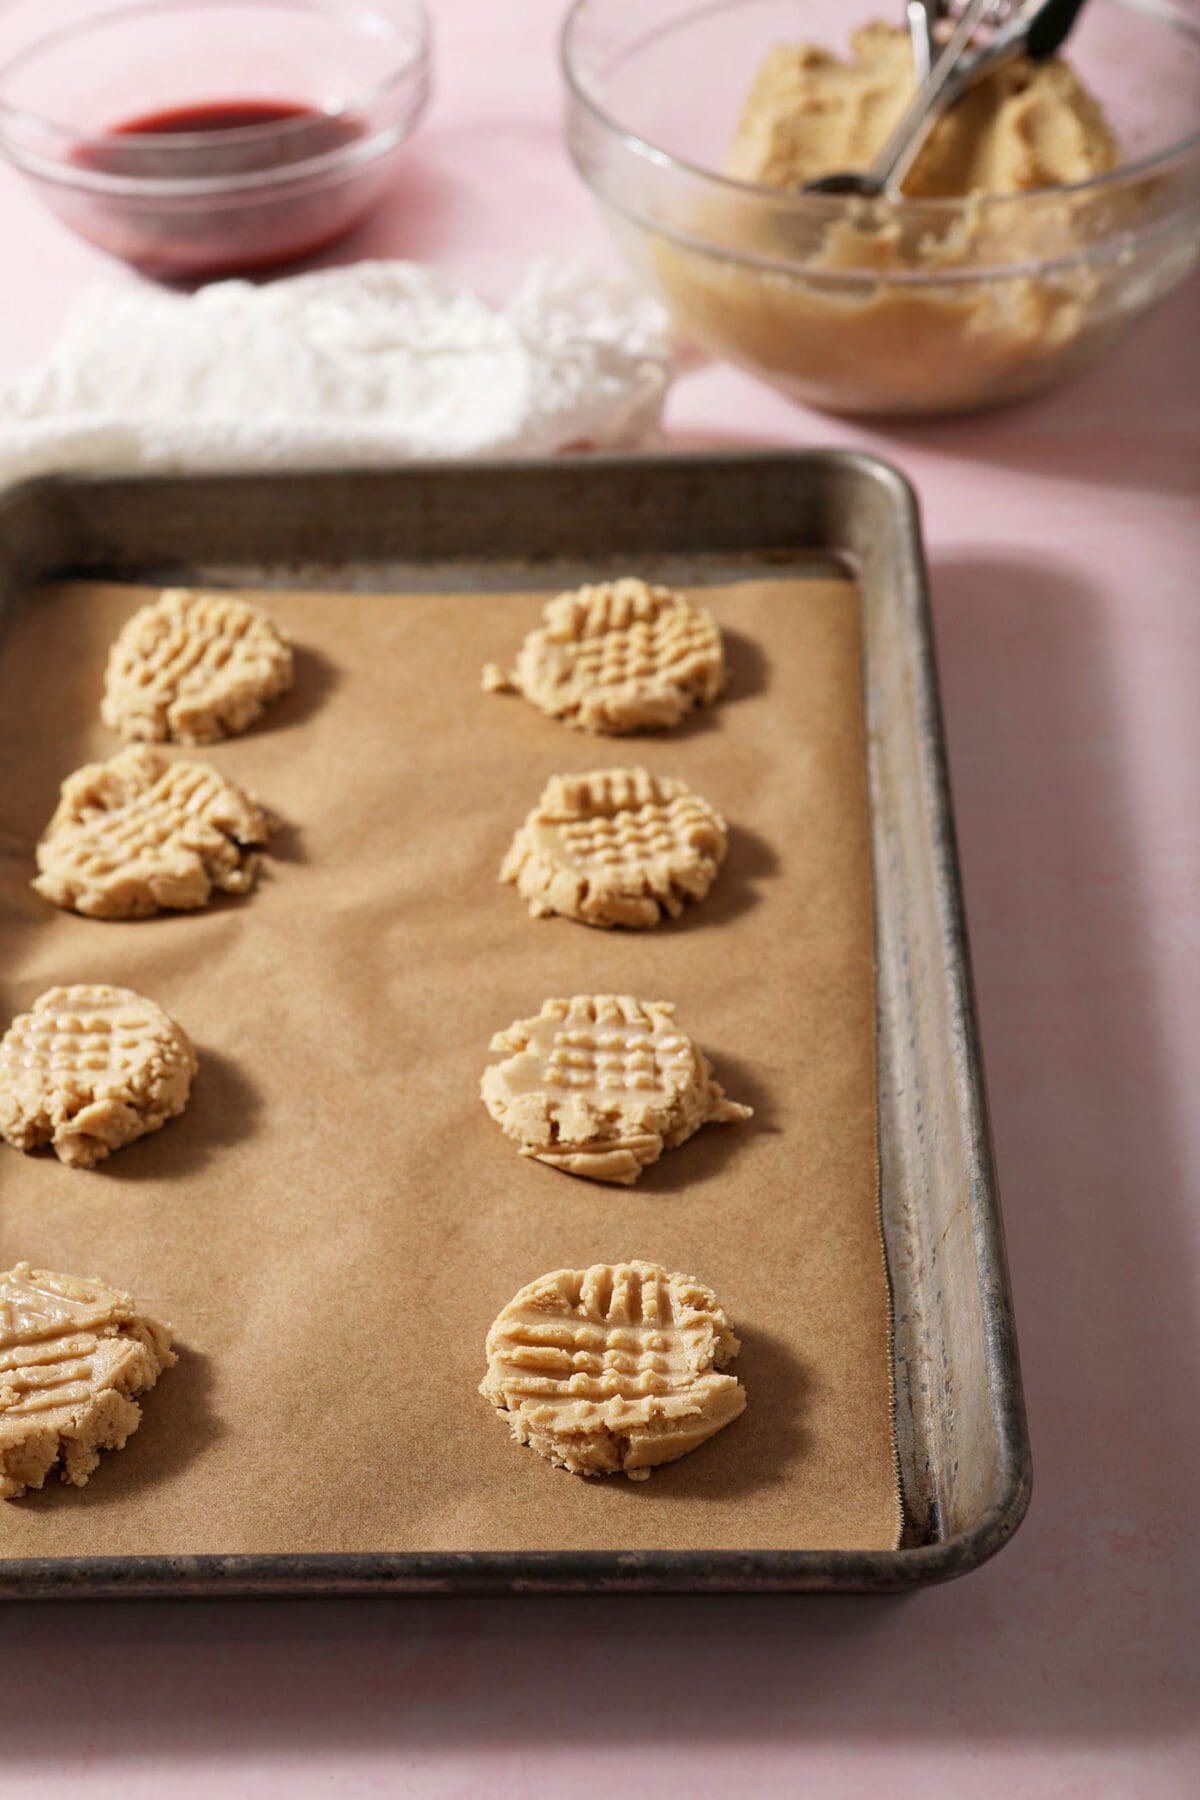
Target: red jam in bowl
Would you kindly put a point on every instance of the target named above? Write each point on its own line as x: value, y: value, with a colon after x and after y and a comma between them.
x: 235, y: 208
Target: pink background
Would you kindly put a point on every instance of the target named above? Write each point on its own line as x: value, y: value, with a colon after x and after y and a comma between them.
x: 1064, y: 543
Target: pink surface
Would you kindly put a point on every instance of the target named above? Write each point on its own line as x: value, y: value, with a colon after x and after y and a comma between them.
x: 1064, y: 541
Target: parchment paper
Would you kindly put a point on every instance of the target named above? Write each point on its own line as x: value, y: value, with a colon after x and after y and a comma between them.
x: 334, y: 1222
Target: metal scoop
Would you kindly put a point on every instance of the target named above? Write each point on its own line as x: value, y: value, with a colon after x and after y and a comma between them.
x: 1033, y: 29
x: 922, y: 16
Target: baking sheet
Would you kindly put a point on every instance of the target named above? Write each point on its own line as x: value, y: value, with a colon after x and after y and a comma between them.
x: 333, y: 1223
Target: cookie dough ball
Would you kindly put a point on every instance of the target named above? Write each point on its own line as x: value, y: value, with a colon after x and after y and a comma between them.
x: 601, y: 1084
x: 616, y: 847
x: 72, y: 1356
x: 619, y: 657
x: 613, y: 1368
x: 194, y: 668
x: 89, y: 1069
x: 139, y: 834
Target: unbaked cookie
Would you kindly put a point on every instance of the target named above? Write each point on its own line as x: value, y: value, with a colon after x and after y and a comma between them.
x: 141, y: 833
x: 600, y: 1085
x: 613, y: 1368
x: 90, y: 1069
x: 194, y: 667
x: 616, y: 847
x: 618, y: 657
x: 72, y: 1356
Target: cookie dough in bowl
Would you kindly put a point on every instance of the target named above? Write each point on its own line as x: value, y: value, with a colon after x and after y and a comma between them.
x: 1047, y: 213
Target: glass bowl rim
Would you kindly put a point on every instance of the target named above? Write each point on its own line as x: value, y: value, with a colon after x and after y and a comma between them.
x: 411, y: 71
x: 834, y: 205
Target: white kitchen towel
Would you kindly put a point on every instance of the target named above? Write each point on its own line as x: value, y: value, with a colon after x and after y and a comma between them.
x: 372, y: 363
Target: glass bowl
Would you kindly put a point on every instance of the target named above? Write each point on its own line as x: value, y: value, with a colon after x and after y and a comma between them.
x: 196, y: 138
x: 887, y: 307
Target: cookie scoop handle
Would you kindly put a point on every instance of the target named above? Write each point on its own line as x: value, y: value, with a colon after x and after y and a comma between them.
x: 1050, y: 27
x: 1034, y: 31
x: 930, y: 101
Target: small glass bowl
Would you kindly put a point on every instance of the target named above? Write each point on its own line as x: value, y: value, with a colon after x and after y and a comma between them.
x: 195, y: 138
x: 887, y: 307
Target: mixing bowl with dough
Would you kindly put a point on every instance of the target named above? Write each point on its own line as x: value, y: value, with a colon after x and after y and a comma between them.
x: 1047, y: 213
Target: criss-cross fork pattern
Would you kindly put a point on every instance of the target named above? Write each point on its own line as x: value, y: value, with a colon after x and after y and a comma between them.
x: 48, y: 1340
x: 171, y: 806
x: 666, y: 647
x: 73, y: 1354
x: 611, y: 1333
x: 188, y: 640
x: 61, y: 1373
x: 90, y: 1034
x: 38, y: 1305
x: 632, y: 838
x: 617, y: 1054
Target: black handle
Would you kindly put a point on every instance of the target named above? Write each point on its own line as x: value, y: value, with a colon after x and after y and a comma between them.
x: 1050, y: 26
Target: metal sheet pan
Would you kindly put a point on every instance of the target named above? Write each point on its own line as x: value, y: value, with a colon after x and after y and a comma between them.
x: 960, y: 1424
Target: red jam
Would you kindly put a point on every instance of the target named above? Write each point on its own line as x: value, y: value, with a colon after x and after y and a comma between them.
x: 252, y: 226
x: 218, y: 115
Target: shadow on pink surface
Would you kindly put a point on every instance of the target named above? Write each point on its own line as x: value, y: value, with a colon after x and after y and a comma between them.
x: 1092, y: 429
x: 1081, y: 1632
x: 1125, y: 426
